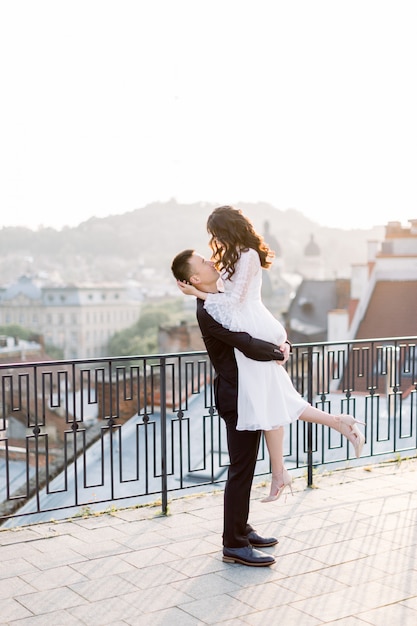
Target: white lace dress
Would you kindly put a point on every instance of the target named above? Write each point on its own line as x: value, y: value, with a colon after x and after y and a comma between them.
x: 267, y: 398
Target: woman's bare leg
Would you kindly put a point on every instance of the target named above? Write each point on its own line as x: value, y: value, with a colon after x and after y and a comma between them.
x: 344, y: 424
x: 280, y: 477
x: 317, y: 416
x: 275, y: 444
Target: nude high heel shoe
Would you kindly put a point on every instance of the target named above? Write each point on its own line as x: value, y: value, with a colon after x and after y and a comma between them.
x: 348, y: 426
x: 278, y: 486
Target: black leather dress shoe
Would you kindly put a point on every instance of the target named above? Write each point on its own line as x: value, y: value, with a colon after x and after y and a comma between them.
x: 247, y: 556
x: 257, y: 541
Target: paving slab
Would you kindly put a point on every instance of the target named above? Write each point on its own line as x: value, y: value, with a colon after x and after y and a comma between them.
x: 346, y: 556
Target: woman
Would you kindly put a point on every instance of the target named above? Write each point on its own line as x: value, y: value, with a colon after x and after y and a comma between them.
x: 267, y: 399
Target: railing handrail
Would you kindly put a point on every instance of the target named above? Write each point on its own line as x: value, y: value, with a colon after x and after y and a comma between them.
x: 188, y: 353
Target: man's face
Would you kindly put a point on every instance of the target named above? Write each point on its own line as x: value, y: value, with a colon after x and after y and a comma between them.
x: 202, y: 270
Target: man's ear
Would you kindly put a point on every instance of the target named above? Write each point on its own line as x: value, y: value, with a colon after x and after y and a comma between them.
x: 194, y: 279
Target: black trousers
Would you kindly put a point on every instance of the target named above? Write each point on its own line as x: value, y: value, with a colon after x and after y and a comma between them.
x: 243, y: 448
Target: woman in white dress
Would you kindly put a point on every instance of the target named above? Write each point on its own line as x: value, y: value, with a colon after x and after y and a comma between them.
x: 267, y: 399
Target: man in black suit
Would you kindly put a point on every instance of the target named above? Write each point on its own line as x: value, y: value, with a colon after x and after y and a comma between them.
x: 239, y: 538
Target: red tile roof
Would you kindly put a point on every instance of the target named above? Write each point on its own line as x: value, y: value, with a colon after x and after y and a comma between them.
x: 392, y: 311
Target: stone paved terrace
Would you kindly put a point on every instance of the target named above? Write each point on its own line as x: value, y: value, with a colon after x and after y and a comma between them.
x: 347, y: 556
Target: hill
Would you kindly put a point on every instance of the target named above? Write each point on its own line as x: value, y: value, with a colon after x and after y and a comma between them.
x: 114, y: 247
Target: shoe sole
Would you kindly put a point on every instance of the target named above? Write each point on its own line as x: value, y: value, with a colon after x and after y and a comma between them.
x: 264, y: 545
x: 232, y: 559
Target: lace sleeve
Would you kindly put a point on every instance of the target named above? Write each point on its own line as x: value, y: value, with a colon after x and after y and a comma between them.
x: 224, y: 307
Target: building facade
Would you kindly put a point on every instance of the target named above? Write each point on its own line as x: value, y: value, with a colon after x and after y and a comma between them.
x: 77, y: 319
x: 378, y: 300
x: 383, y: 298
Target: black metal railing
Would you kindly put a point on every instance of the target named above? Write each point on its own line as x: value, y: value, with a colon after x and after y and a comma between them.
x: 77, y: 435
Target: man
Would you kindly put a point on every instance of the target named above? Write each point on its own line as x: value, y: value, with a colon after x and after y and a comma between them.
x: 239, y: 538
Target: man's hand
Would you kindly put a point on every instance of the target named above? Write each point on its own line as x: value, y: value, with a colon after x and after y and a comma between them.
x: 285, y: 349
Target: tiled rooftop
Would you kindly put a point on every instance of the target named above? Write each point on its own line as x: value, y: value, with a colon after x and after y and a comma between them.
x: 347, y: 556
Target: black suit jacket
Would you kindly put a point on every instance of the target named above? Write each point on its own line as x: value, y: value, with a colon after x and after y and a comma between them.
x: 220, y: 344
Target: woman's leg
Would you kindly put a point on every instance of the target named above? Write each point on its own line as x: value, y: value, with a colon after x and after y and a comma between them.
x: 280, y: 477
x: 275, y: 444
x: 344, y: 424
x: 317, y: 416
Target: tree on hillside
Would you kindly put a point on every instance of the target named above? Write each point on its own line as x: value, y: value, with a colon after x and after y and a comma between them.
x: 142, y: 337
x: 14, y: 330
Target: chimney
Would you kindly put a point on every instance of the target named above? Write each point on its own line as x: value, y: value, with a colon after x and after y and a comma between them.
x: 359, y: 280
x: 413, y: 229
x: 337, y: 325
x: 373, y: 249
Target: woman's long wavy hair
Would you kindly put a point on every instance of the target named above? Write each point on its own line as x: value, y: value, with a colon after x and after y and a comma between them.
x: 231, y: 233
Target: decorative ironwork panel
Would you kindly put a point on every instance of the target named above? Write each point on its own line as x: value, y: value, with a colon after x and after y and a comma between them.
x: 85, y: 433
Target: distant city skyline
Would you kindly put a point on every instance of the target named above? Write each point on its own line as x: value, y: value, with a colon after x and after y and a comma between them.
x: 111, y: 106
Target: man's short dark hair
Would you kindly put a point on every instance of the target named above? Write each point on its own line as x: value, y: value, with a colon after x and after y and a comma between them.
x: 181, y: 265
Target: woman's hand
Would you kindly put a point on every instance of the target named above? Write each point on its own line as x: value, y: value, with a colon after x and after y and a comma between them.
x: 187, y: 289
x: 190, y: 290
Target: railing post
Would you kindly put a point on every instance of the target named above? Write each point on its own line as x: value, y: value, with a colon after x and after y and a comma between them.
x: 164, y: 480
x: 309, y: 424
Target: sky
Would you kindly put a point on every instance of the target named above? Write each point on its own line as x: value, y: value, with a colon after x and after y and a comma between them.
x: 109, y: 105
